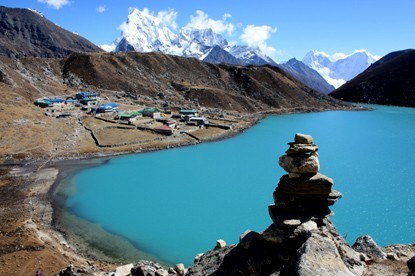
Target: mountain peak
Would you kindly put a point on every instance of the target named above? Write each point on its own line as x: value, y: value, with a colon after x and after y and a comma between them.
x: 145, y: 32
x: 339, y: 67
x: 26, y: 32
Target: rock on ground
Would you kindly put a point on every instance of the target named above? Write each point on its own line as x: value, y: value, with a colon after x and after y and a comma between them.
x: 365, y: 244
x: 319, y: 256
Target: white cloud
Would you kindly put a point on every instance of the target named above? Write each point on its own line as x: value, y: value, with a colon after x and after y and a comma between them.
x: 168, y: 17
x: 325, y: 73
x: 202, y: 21
x: 257, y: 36
x: 56, y: 4
x: 102, y: 9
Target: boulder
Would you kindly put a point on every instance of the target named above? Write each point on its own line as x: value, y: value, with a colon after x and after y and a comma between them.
x: 145, y: 268
x: 303, y: 139
x: 411, y: 264
x: 365, y: 244
x: 273, y: 235
x: 247, y: 238
x: 123, y: 270
x: 300, y: 164
x: 180, y: 269
x: 319, y: 256
x: 162, y: 272
x: 308, y: 226
x: 220, y: 244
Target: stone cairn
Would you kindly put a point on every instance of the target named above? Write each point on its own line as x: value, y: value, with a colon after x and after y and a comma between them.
x: 303, y: 194
x: 302, y: 240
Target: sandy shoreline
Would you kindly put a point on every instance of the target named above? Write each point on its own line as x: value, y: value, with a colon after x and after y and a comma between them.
x: 28, y: 240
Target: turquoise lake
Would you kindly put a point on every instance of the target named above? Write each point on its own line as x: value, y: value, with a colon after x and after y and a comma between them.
x: 176, y: 203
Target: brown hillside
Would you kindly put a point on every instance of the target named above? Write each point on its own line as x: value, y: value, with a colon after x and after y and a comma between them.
x: 132, y: 80
x: 25, y: 33
x: 238, y: 88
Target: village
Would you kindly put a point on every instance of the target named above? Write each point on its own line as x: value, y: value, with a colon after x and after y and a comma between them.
x: 122, y: 123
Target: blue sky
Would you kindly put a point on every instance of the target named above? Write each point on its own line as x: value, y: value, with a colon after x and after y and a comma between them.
x: 288, y: 28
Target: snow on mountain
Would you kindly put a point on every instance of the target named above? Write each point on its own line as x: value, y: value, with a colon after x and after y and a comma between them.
x: 250, y: 56
x: 108, y: 48
x: 144, y: 32
x: 338, y: 68
x: 36, y: 11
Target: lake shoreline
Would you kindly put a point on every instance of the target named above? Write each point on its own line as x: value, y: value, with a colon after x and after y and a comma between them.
x: 40, y: 168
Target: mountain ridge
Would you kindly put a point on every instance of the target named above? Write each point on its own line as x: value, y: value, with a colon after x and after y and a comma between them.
x: 339, y: 68
x: 143, y: 32
x: 25, y: 32
x: 307, y: 75
x: 390, y: 81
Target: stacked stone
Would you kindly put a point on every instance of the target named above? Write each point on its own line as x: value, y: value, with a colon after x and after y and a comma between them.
x: 303, y: 194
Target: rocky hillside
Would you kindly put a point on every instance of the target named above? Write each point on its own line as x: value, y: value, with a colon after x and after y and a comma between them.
x: 24, y: 33
x: 390, y: 81
x: 173, y: 80
x: 133, y: 79
x: 307, y: 75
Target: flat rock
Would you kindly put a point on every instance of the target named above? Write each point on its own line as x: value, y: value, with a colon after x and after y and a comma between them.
x: 365, y: 244
x: 333, y: 197
x: 292, y: 222
x: 296, y: 149
x: 299, y: 164
x: 303, y: 139
x: 309, y: 184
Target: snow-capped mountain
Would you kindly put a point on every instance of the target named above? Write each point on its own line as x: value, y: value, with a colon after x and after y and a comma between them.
x: 250, y: 56
x: 339, y: 68
x: 144, y: 32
